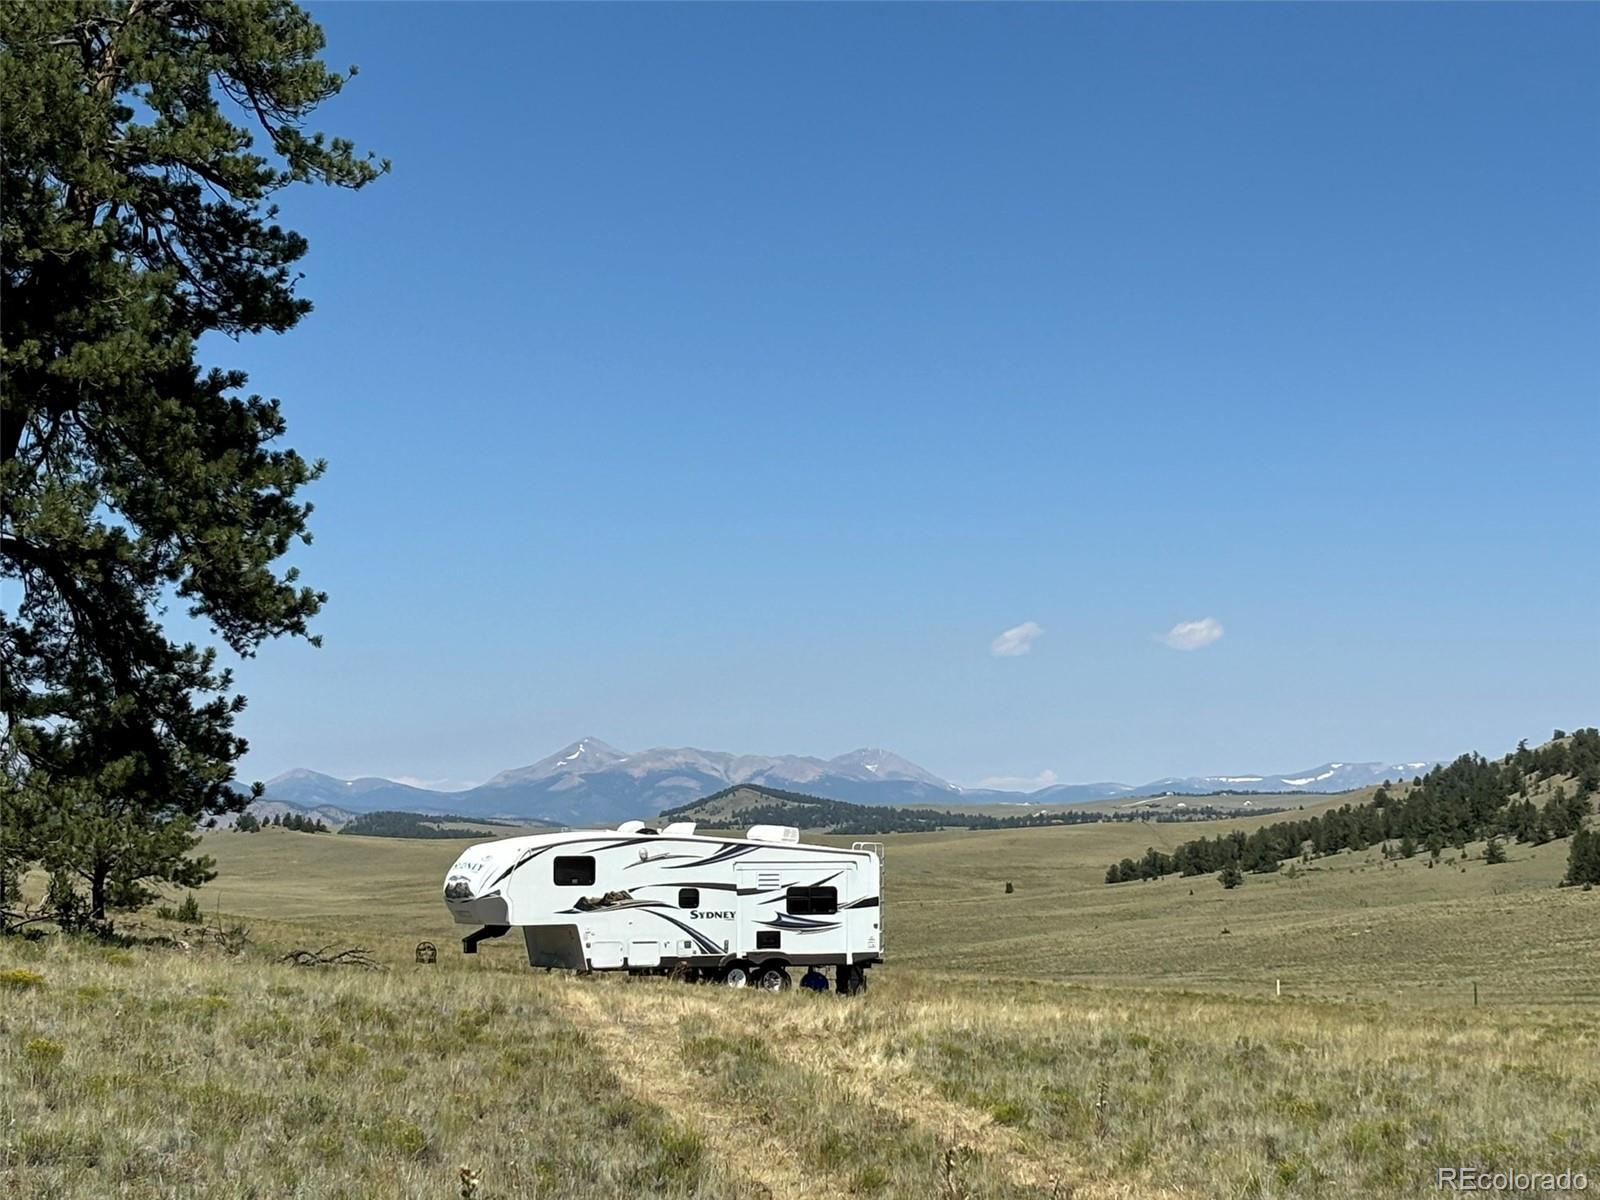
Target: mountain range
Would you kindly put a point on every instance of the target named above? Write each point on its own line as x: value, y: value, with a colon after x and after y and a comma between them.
x: 590, y: 782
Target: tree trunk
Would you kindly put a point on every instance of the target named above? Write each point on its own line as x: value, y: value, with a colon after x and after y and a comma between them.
x: 97, y: 892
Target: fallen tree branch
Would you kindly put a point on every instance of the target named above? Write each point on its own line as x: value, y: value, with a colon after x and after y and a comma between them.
x: 354, y: 956
x: 232, y: 939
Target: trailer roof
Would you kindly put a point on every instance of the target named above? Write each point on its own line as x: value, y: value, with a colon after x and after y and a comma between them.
x: 534, y: 840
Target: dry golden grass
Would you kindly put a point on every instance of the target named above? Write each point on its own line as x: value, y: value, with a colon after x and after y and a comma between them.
x: 146, y: 1072
x: 1068, y: 1039
x: 1349, y: 926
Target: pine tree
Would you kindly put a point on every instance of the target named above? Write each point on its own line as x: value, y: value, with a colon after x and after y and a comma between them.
x: 138, y: 219
x: 1583, y: 859
x: 1230, y: 876
x: 1494, y: 853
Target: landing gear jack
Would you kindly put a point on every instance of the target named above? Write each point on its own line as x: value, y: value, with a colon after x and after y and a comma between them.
x: 469, y: 944
x: 849, y: 979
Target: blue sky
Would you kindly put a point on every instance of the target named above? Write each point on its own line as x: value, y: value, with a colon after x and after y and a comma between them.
x: 736, y: 376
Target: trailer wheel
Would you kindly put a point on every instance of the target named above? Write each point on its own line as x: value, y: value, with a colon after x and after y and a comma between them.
x: 773, y: 979
x: 736, y: 975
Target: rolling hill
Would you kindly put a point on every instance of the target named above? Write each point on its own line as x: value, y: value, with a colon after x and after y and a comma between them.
x: 752, y: 804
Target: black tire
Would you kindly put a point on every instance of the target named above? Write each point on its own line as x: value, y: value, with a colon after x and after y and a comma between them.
x: 735, y: 975
x: 772, y: 979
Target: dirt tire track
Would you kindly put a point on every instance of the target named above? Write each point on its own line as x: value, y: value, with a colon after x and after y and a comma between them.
x: 893, y: 1090
x: 820, y: 1035
x: 640, y: 1035
x: 817, y: 1035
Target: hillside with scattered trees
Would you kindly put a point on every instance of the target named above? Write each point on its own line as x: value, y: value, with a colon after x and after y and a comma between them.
x: 1471, y: 799
x: 419, y: 825
x: 751, y: 804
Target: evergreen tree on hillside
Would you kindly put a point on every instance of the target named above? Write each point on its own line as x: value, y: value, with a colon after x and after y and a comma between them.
x: 1468, y: 799
x: 138, y: 218
x: 1583, y: 860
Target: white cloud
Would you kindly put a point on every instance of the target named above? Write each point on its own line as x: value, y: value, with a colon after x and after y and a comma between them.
x: 1192, y: 635
x: 1019, y: 783
x: 1017, y: 640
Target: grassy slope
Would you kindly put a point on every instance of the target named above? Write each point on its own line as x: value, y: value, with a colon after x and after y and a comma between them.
x: 730, y: 806
x: 1234, y: 801
x: 1145, y: 1057
x: 1347, y: 925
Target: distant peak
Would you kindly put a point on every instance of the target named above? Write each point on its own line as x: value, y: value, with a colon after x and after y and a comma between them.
x: 301, y: 773
x: 582, y: 756
x: 585, y: 747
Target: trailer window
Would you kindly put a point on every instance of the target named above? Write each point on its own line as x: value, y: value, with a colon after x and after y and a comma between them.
x: 813, y: 901
x: 688, y: 897
x: 574, y: 871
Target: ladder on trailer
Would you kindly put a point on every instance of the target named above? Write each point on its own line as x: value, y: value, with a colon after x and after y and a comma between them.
x: 876, y: 848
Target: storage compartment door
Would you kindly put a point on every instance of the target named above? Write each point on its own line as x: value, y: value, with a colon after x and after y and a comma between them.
x: 554, y: 946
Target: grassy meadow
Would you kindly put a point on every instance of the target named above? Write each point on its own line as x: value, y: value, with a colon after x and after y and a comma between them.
x: 1068, y: 1039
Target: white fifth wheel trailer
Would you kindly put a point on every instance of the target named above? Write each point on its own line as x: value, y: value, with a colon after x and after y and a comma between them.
x: 738, y: 910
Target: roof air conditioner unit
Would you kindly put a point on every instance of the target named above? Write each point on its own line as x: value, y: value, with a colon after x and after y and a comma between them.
x: 773, y: 833
x: 679, y: 829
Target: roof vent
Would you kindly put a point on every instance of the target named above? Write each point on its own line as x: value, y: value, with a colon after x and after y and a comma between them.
x: 630, y: 827
x: 773, y: 833
x: 679, y: 829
